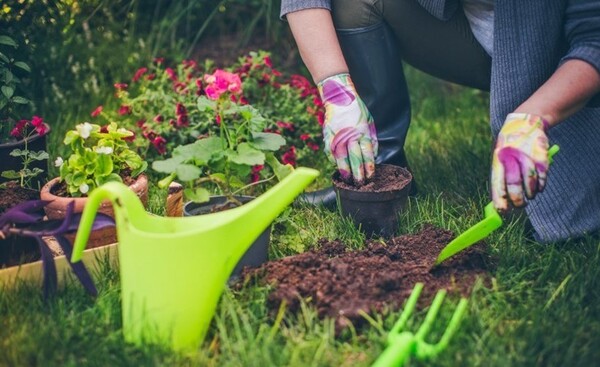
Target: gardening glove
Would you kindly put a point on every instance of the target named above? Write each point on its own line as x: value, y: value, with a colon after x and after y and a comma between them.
x: 520, y: 160
x: 348, y: 131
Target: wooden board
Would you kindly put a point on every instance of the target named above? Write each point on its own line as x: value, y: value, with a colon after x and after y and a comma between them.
x: 33, y: 271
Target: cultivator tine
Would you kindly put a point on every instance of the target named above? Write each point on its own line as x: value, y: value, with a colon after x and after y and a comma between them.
x: 403, y: 344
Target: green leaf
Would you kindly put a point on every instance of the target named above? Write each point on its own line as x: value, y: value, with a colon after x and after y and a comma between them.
x: 7, y: 91
x: 104, y: 165
x: 4, y: 58
x: 12, y: 175
x: 18, y: 153
x: 280, y: 170
x: 267, y: 141
x: 205, y: 103
x: 203, y: 150
x: 22, y: 65
x: 168, y: 165
x: 6, y: 40
x: 19, y: 100
x: 199, y: 195
x: 188, y: 172
x: 39, y: 156
x: 247, y: 155
x: 9, y: 77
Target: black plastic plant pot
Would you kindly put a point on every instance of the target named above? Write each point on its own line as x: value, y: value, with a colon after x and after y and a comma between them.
x: 376, y: 213
x: 256, y: 255
x: 8, y: 162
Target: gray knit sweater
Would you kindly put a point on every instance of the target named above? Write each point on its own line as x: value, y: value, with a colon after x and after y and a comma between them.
x: 531, y: 38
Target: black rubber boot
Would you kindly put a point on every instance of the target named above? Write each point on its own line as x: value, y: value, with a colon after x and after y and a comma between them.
x: 376, y: 70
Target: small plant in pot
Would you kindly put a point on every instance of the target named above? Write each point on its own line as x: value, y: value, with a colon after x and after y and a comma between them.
x: 98, y: 154
x: 235, y: 160
x: 374, y: 206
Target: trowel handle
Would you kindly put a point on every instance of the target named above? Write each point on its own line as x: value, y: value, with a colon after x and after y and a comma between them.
x: 551, y: 152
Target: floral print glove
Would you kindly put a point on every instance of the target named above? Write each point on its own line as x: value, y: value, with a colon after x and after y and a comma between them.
x: 520, y: 160
x: 348, y: 130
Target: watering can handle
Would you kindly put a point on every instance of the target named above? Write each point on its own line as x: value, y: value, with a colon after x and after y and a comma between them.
x: 122, y: 198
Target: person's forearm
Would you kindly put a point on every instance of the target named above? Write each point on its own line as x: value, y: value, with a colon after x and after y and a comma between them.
x: 317, y: 41
x: 566, y: 92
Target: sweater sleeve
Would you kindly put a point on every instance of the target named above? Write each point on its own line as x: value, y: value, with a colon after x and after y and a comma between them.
x: 289, y: 6
x: 582, y: 31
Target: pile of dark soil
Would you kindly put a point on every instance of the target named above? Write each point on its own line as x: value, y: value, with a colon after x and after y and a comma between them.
x: 14, y: 194
x: 339, y: 283
x: 386, y: 178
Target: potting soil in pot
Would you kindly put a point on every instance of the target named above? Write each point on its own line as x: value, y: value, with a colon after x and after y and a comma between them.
x: 340, y: 283
x: 386, y: 178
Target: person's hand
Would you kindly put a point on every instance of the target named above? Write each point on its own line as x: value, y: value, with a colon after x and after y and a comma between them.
x: 348, y: 131
x: 520, y: 160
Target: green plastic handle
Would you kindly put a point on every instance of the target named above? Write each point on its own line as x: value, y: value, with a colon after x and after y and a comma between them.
x: 484, y: 228
x: 397, y: 353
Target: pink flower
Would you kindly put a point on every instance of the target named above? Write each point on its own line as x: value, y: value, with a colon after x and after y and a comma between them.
x: 120, y: 86
x: 267, y: 61
x: 41, y: 129
x: 37, y: 121
x: 15, y: 133
x: 220, y: 82
x: 218, y: 120
x: 19, y: 129
x: 97, y: 111
x: 139, y: 73
x: 124, y: 110
x: 286, y: 125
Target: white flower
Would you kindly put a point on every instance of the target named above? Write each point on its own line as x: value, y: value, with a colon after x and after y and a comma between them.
x: 104, y: 150
x: 84, y: 188
x: 58, y: 162
x: 84, y: 129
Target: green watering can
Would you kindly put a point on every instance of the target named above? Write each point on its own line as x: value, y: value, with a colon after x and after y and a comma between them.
x: 174, y: 269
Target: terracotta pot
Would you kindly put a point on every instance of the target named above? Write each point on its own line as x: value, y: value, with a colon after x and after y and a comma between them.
x: 58, y: 207
x: 8, y: 162
x: 376, y: 213
x: 257, y: 253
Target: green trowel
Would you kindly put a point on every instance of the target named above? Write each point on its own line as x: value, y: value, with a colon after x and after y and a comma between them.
x: 481, y: 230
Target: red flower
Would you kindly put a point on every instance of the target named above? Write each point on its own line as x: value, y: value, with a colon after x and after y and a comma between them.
x: 255, y: 177
x: 140, y: 123
x: 267, y: 61
x: 19, y: 129
x: 218, y: 120
x: 304, y: 137
x: 289, y: 157
x: 42, y: 129
x: 312, y: 145
x: 150, y: 135
x: 159, y: 60
x: 171, y: 73
x: 151, y: 76
x: 97, y: 111
x: 190, y: 64
x: 182, y: 120
x: 131, y: 137
x: 158, y: 118
x: 199, y: 85
x: 124, y: 110
x: 244, y: 100
x: 139, y: 73
x: 180, y: 109
x: 160, y: 144
x: 104, y: 129
x: 321, y: 117
x: 286, y: 125
x: 120, y: 86
x: 37, y: 121
x: 180, y: 87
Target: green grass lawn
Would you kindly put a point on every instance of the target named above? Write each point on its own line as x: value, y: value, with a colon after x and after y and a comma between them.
x: 542, y: 307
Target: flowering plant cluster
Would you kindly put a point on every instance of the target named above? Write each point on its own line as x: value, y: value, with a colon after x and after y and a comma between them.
x: 160, y: 105
x: 98, y: 154
x: 232, y: 158
x: 23, y: 130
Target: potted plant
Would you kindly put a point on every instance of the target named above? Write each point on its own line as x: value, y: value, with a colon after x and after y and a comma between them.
x: 374, y: 206
x: 98, y: 154
x: 234, y: 160
x: 22, y: 141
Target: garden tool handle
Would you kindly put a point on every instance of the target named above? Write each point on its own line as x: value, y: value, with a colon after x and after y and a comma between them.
x: 398, y: 352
